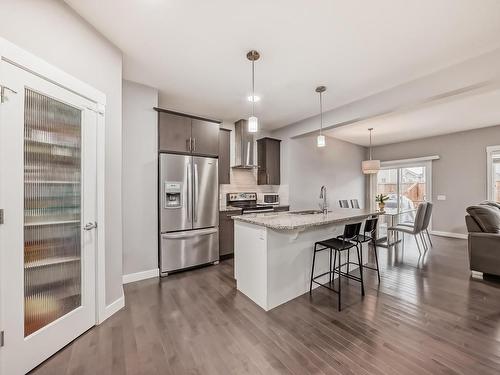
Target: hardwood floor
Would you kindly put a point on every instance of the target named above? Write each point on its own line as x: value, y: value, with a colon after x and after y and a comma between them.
x: 426, y: 317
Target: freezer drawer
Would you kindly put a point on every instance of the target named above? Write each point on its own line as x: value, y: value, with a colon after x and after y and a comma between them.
x: 185, y: 249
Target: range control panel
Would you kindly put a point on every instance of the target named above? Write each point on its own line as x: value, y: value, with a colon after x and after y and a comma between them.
x: 235, y: 197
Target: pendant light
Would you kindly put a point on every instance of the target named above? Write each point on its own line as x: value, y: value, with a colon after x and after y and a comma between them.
x: 253, y: 121
x: 321, y: 140
x: 370, y: 166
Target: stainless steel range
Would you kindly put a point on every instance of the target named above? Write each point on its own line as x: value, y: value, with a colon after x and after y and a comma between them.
x: 247, y: 202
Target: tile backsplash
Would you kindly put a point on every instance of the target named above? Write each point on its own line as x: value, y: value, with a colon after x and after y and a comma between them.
x: 245, y: 180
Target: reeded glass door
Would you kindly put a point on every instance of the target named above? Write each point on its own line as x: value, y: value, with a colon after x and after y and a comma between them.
x: 52, y: 210
x: 48, y: 189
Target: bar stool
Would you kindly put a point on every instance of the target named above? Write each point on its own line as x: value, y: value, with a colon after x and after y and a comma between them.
x: 371, y: 228
x: 337, y: 245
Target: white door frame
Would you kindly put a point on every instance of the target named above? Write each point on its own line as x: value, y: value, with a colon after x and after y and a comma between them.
x: 26, y: 61
x: 490, y: 151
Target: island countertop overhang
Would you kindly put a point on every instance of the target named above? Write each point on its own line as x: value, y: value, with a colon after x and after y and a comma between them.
x: 294, y: 221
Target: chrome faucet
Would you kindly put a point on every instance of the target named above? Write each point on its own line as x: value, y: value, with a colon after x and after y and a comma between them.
x: 322, y: 195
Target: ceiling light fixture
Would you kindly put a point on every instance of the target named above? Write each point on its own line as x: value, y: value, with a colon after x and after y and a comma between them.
x: 253, y: 98
x: 370, y: 166
x: 253, y: 122
x: 321, y: 140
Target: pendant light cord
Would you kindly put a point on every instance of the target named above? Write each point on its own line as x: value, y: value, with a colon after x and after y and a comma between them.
x: 370, y: 143
x: 253, y: 87
x: 321, y: 112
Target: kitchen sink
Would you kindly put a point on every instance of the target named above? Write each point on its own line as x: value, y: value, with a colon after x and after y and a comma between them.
x: 306, y: 212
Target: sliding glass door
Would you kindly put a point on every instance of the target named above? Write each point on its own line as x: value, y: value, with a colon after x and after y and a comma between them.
x: 406, y: 186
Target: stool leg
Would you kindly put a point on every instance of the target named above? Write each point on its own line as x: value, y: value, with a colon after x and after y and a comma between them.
x: 360, y: 272
x: 376, y: 259
x: 312, y: 271
x: 340, y: 280
x: 334, y: 264
x: 330, y: 266
x: 348, y: 259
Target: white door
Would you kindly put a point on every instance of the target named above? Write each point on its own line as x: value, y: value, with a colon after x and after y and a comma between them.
x: 48, y: 192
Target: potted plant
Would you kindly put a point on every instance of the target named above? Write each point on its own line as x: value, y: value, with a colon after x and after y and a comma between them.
x: 380, y: 199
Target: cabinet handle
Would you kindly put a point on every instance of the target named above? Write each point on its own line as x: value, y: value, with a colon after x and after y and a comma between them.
x: 267, y: 178
x: 194, y: 144
x: 188, y: 144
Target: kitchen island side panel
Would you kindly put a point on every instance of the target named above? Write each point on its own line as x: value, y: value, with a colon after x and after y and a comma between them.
x: 250, y: 262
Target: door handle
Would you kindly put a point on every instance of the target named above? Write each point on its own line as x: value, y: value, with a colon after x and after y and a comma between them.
x: 196, y: 188
x: 90, y: 225
x: 188, y: 203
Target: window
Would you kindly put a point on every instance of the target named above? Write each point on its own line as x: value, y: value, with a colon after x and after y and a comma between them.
x: 493, y: 153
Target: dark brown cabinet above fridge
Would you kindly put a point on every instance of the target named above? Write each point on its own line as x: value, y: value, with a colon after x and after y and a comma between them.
x: 268, y: 155
x: 186, y: 134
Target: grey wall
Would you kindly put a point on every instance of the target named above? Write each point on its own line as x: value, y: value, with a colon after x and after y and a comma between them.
x: 305, y: 168
x: 140, y: 170
x: 54, y: 32
x: 460, y: 173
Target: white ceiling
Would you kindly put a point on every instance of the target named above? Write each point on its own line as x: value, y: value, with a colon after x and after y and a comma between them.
x: 444, y: 117
x: 194, y: 51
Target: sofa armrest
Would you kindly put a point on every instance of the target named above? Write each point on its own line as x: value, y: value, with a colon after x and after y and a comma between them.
x: 484, y: 252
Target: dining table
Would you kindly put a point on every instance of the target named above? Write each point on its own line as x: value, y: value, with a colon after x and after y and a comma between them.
x: 389, y: 218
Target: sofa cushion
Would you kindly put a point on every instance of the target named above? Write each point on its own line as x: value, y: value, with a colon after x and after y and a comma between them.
x: 491, y: 204
x: 487, y: 217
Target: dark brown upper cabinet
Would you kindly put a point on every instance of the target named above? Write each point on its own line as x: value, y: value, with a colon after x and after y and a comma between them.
x: 268, y: 155
x: 224, y: 156
x: 205, y: 136
x: 187, y: 134
x: 174, y: 132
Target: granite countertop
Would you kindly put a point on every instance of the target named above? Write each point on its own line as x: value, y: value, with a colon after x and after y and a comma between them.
x: 291, y: 221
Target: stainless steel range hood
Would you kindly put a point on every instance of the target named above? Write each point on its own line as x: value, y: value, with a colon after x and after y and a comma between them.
x: 244, y: 146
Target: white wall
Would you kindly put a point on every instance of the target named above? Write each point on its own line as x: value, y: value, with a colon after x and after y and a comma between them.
x: 54, y: 32
x: 305, y: 168
x: 140, y: 171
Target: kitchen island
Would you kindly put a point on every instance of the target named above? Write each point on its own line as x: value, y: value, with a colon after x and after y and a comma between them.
x: 273, y: 252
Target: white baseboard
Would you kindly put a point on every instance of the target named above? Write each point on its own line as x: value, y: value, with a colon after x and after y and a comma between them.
x: 113, y: 308
x: 449, y: 234
x: 143, y: 275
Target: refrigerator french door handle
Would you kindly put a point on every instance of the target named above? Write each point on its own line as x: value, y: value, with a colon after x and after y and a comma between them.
x: 196, y: 190
x: 188, y: 189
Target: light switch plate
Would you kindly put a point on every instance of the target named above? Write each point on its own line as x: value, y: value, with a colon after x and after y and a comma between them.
x: 441, y: 197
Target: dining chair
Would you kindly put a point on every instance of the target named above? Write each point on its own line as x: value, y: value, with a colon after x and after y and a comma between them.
x: 344, y: 203
x: 354, y: 203
x: 427, y: 220
x: 414, y: 230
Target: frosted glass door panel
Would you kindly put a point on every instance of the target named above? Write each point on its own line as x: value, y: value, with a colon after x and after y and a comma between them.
x: 52, y: 210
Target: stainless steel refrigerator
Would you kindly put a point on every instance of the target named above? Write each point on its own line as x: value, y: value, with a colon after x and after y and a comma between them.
x: 188, y: 212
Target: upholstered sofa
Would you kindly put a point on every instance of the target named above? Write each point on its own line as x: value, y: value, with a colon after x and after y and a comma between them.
x: 483, y: 224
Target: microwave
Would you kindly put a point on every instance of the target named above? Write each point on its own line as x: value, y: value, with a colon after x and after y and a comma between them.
x: 271, y: 199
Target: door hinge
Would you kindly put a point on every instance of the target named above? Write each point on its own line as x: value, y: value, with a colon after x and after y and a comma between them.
x: 3, y: 97
x: 2, y: 338
x: 96, y: 111
x: 1, y: 215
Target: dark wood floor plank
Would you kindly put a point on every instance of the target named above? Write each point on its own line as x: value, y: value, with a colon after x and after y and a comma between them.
x: 427, y: 316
